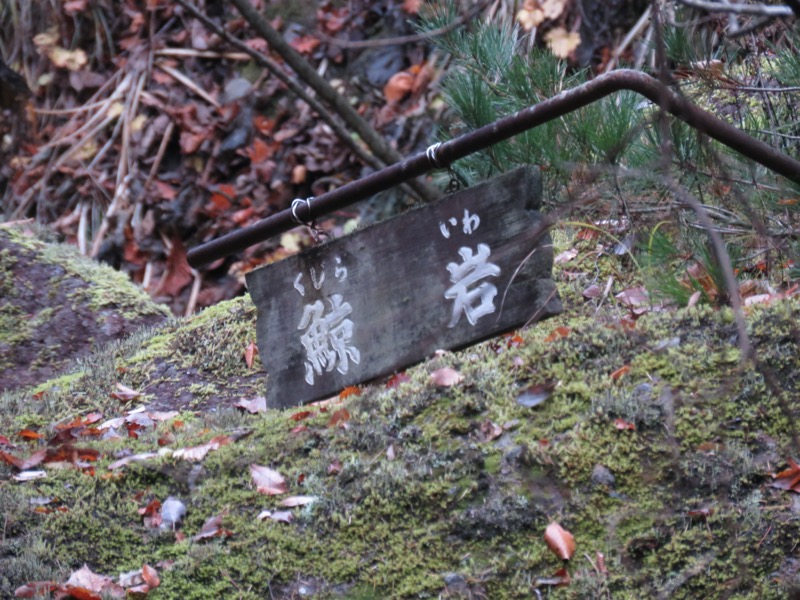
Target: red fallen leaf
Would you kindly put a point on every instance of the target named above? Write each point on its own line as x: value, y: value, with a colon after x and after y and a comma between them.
x: 299, y: 429
x: 221, y: 198
x: 29, y: 434
x: 268, y: 481
x: 293, y: 501
x: 340, y: 418
x: 587, y: 234
x: 301, y: 478
x: 212, y: 528
x: 303, y: 414
x: 620, y: 372
x: 514, y: 340
x: 557, y: 334
x: 335, y: 467
x: 67, y: 453
x: 560, y: 541
x: 256, y: 405
x: 26, y: 463
x: 352, y: 390
x: 398, y: 87
x: 263, y: 124
x: 623, y: 425
x: 150, y: 576
x: 305, y: 44
x: 536, y: 394
x: 178, y: 273
x: 788, y: 479
x: 249, y: 354
x: 396, y: 380
x: 153, y: 508
x: 91, y: 582
x: 34, y: 589
x: 446, y: 377
x: 701, y: 513
x: 4, y: 441
x: 124, y: 393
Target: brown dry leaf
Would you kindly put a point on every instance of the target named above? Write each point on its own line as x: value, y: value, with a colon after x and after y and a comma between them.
x: 88, y: 580
x: 150, y: 576
x: 560, y: 541
x: 446, y: 377
x: 397, y: 379
x: 196, y: 453
x: 124, y: 393
x: 788, y: 479
x: 212, y: 528
x: 562, y: 42
x: 249, y: 354
x: 557, y: 334
x: 398, y: 87
x: 624, y: 425
x: 178, y: 273
x: 340, y: 418
x: 24, y: 464
x: 268, y: 481
x: 256, y: 405
x: 293, y: 501
x: 623, y: 370
x: 535, y: 394
x: 489, y: 431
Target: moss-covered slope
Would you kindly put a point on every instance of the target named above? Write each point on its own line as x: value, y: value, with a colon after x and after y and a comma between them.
x: 435, y: 490
x: 55, y: 305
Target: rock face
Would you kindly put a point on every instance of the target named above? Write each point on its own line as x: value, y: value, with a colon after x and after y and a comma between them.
x: 56, y: 305
x: 414, y: 489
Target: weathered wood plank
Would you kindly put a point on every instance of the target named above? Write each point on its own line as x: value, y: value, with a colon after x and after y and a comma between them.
x: 389, y: 295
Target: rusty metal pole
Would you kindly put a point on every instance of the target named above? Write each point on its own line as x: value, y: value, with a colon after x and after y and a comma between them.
x: 528, y: 118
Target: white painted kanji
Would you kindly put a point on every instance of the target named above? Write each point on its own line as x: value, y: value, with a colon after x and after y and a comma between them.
x: 327, y: 337
x: 470, y: 295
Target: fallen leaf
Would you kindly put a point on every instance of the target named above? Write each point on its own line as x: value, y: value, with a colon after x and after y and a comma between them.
x: 26, y: 463
x: 172, y: 511
x: 249, y: 354
x: 339, y: 418
x: 293, y: 501
x: 560, y: 541
x: 256, y: 405
x: 565, y: 256
x: 212, y: 528
x: 281, y: 516
x: 352, y: 390
x: 620, y: 372
x: 397, y: 379
x: 29, y: 434
x: 335, y: 467
x: 562, y: 42
x: 36, y: 589
x: 623, y: 425
x: 124, y: 393
x: 30, y: 475
x: 536, y: 394
x: 398, y: 87
x: 489, y: 431
x: 390, y: 453
x: 559, y: 579
x: 150, y: 576
x: 446, y: 377
x: 788, y: 479
x: 303, y: 414
x: 557, y: 334
x: 133, y: 458
x: 197, y: 453
x: 268, y: 481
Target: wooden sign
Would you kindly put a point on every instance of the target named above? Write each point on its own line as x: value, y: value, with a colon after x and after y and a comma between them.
x: 445, y: 275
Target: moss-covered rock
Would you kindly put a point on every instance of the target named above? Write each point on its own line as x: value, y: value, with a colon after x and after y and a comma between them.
x: 416, y: 497
x: 55, y: 305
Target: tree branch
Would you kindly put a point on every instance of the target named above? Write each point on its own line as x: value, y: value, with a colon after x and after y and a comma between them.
x: 740, y: 9
x: 377, y: 144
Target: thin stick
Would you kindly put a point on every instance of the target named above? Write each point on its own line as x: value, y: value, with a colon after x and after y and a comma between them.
x: 181, y: 78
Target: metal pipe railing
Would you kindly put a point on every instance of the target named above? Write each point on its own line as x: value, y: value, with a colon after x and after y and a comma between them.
x: 441, y: 155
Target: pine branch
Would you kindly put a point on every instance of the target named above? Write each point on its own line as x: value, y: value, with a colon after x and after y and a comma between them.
x: 377, y: 144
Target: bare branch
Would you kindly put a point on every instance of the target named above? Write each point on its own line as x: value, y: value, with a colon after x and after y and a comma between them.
x: 740, y: 9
